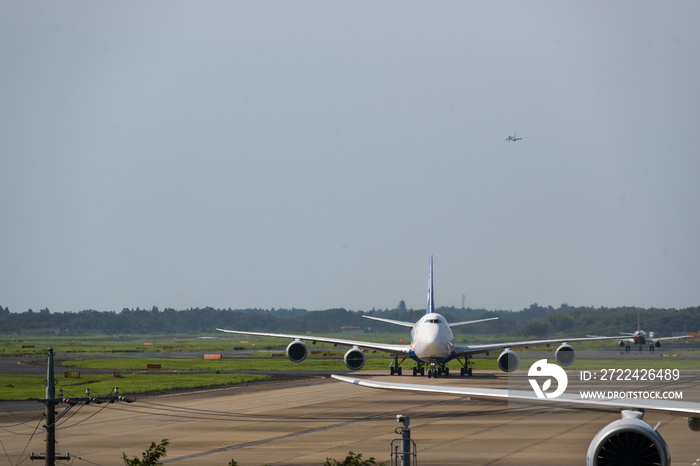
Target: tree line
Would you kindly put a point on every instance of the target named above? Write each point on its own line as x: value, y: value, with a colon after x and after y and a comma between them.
x: 535, y: 321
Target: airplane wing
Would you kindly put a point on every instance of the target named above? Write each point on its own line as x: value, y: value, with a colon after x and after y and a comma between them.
x: 389, y: 348
x: 470, y: 322
x: 475, y: 349
x: 677, y: 408
x: 402, y: 323
x: 671, y: 338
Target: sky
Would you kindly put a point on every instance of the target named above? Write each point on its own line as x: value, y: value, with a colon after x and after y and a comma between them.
x: 314, y: 154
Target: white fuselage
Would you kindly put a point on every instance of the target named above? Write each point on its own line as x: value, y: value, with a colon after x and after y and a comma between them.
x: 432, y: 339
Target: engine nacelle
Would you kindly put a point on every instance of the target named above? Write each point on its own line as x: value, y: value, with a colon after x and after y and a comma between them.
x: 508, y: 361
x: 354, y: 359
x: 657, y: 344
x: 296, y: 351
x: 565, y: 355
x: 622, y: 343
x: 628, y: 441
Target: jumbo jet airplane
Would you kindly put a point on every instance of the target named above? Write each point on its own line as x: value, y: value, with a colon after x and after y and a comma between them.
x: 432, y: 344
x: 626, y: 441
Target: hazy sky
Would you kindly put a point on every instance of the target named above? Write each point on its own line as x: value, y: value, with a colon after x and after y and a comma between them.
x: 314, y: 154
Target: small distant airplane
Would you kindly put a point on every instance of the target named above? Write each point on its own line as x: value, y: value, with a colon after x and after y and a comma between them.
x: 641, y: 338
x: 512, y: 138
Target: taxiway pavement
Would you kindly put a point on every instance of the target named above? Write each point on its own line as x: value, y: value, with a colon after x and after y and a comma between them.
x: 304, y: 422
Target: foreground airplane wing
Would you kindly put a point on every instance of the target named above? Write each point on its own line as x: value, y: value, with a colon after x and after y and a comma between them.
x: 628, y: 440
x: 389, y: 348
x: 678, y: 408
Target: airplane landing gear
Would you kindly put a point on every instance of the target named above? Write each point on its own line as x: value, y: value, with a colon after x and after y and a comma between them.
x: 395, y: 367
x: 419, y: 369
x: 438, y: 370
x: 464, y: 370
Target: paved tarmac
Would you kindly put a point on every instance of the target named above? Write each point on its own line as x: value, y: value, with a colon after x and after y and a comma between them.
x: 304, y: 422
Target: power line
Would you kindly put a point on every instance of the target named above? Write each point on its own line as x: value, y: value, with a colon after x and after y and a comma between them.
x: 51, y: 401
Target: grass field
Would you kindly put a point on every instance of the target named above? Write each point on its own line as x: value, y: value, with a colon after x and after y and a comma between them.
x: 23, y: 345
x: 336, y: 363
x: 178, y: 373
x: 14, y: 345
x: 29, y: 387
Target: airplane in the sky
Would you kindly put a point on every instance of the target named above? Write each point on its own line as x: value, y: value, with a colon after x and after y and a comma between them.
x: 641, y: 338
x: 432, y: 344
x: 512, y: 138
x: 628, y: 440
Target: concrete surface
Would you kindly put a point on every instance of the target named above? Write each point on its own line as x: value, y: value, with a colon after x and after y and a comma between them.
x: 304, y: 422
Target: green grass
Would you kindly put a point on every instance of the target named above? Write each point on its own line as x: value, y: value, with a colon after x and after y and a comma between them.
x: 136, y: 379
x: 373, y: 363
x: 12, y: 345
x: 247, y: 363
x: 173, y: 375
x: 27, y: 387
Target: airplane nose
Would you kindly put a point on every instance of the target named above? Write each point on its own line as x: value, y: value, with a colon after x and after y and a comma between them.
x: 432, y: 345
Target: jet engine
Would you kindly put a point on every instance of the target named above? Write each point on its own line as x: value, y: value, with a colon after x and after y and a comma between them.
x: 296, y: 351
x: 628, y: 441
x: 565, y: 355
x: 622, y: 343
x: 508, y: 361
x: 354, y: 358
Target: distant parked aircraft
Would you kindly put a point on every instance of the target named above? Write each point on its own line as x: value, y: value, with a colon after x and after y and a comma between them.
x: 641, y: 338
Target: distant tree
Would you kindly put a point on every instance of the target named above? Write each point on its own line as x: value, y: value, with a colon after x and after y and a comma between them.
x: 151, y: 456
x: 402, y: 306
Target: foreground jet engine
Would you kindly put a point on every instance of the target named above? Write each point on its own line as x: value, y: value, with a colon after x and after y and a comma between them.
x: 628, y: 441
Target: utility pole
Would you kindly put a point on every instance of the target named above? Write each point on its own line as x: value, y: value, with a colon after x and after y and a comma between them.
x: 408, y: 455
x: 51, y: 401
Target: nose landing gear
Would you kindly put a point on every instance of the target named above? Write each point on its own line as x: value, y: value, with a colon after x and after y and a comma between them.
x: 438, y: 370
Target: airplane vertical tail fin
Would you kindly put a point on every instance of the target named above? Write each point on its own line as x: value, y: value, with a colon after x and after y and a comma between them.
x: 431, y: 303
x: 638, y: 326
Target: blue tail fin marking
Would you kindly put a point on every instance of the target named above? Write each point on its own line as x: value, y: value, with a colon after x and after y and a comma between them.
x: 431, y: 303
